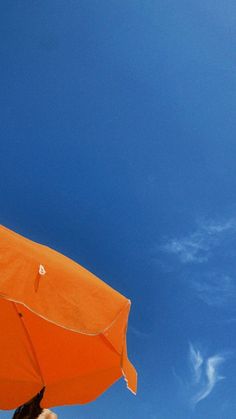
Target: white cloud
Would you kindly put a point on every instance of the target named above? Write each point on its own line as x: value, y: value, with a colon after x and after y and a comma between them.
x: 137, y: 332
x: 213, y: 227
x: 212, y: 377
x: 197, y: 246
x: 205, y: 373
x: 188, y: 249
x: 214, y: 289
x: 196, y: 362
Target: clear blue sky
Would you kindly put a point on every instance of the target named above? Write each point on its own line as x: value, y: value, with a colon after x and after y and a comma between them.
x: 118, y: 149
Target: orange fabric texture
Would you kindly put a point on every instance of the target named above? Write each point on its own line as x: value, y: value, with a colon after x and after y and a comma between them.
x: 61, y: 327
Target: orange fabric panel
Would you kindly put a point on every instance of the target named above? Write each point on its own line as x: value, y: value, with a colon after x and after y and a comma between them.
x: 83, y: 365
x: 67, y: 294
x: 80, y: 390
x: 19, y: 375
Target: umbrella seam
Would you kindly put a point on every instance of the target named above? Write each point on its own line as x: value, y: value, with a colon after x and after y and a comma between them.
x: 64, y: 327
x: 31, y: 344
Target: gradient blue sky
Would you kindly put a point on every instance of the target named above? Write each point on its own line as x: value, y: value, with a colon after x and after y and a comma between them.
x: 118, y: 149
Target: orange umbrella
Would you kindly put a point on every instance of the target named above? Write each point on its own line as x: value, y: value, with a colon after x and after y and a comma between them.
x: 61, y: 327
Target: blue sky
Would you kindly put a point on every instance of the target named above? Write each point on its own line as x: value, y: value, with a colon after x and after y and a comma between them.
x: 118, y: 149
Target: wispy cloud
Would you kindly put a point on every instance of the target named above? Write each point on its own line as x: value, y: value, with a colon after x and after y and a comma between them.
x: 212, y: 377
x: 197, y: 246
x: 213, y: 227
x: 196, y: 362
x: 205, y: 373
x: 139, y: 333
x: 215, y: 289
x: 188, y: 249
x: 211, y: 242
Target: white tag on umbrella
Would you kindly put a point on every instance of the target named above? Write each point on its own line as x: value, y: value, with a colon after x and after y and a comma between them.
x: 42, y: 270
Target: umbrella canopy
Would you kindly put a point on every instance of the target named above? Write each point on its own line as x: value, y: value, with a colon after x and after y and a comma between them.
x: 61, y: 327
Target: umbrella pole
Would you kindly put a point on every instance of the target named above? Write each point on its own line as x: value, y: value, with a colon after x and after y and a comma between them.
x: 31, y: 409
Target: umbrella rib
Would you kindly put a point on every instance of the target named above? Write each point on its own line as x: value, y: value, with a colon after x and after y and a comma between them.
x: 30, y: 342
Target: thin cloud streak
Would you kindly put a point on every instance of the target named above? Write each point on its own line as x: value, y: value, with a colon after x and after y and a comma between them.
x: 197, y: 247
x: 140, y: 334
x: 213, y: 377
x: 205, y: 373
x: 214, y: 289
x: 215, y: 228
x: 196, y: 361
x: 189, y: 249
